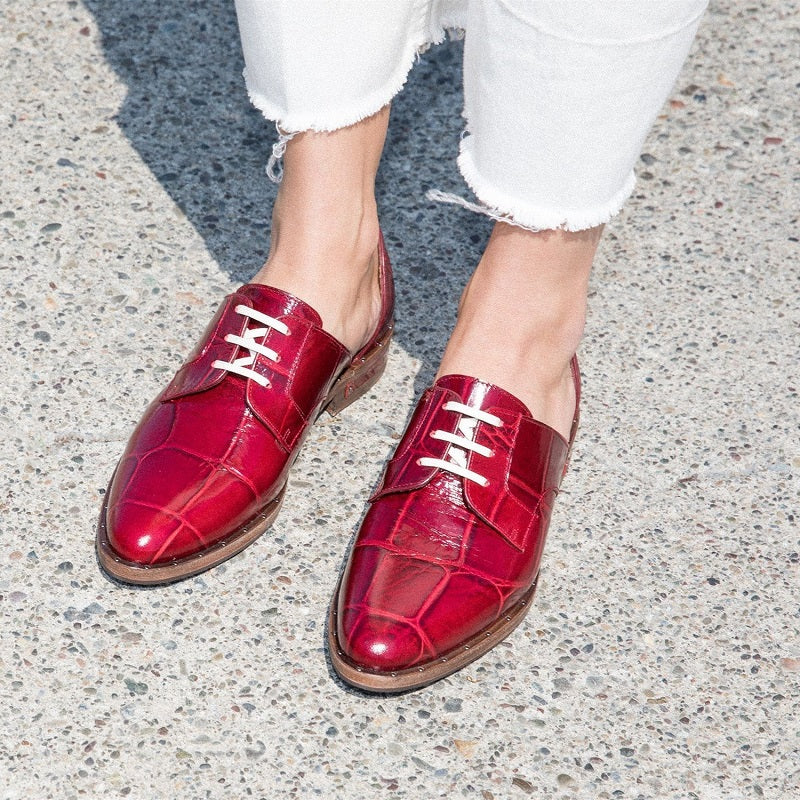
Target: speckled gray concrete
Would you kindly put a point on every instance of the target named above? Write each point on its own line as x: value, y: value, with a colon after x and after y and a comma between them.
x: 662, y: 655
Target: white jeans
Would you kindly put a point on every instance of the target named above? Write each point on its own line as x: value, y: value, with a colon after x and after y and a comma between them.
x: 559, y: 94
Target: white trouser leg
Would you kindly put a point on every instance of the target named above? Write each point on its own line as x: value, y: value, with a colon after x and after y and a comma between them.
x: 325, y: 64
x: 559, y: 96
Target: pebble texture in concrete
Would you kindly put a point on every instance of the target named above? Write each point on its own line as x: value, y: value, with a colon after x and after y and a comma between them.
x: 662, y: 656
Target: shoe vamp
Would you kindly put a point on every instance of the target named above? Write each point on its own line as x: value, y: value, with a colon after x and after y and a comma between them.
x: 434, y: 524
x: 437, y: 577
x: 195, y: 471
x: 410, y: 611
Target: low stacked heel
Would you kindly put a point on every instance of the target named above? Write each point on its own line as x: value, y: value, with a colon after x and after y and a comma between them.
x: 360, y: 376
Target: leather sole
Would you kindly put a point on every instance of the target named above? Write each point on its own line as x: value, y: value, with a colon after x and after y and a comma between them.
x: 352, y: 384
x: 154, y: 574
x: 417, y: 677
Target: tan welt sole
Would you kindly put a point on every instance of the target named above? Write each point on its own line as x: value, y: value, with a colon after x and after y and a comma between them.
x: 150, y: 575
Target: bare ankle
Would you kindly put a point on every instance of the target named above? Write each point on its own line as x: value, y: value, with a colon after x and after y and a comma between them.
x: 336, y: 275
x: 521, y: 318
x: 325, y: 231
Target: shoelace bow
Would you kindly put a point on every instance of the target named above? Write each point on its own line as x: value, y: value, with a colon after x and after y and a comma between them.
x: 457, y: 456
x: 248, y: 341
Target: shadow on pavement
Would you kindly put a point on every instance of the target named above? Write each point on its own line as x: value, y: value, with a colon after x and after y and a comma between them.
x: 188, y: 116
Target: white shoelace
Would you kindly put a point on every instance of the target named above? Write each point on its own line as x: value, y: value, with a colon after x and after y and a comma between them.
x: 457, y: 455
x: 248, y: 341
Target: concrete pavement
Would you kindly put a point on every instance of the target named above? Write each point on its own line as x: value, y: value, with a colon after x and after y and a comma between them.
x: 661, y: 658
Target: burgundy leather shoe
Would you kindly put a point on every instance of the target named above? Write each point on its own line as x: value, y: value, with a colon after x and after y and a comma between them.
x: 205, y: 471
x: 447, y: 558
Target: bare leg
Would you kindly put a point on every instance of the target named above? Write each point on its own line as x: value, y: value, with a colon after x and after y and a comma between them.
x: 522, y: 315
x: 325, y: 227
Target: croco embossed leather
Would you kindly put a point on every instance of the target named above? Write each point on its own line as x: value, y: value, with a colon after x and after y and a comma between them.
x: 204, y: 472
x: 446, y: 560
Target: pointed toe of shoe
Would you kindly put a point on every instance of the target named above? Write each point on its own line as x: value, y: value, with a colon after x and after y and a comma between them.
x: 153, y: 529
x: 161, y: 537
x: 143, y: 536
x: 381, y: 651
x: 149, y: 518
x: 376, y: 644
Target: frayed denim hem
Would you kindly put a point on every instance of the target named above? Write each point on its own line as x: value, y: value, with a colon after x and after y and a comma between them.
x: 290, y: 125
x: 501, y: 207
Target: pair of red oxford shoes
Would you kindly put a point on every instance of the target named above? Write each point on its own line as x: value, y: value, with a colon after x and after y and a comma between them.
x: 446, y: 560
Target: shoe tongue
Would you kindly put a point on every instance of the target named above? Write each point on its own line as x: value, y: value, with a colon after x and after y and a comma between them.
x: 479, y: 394
x: 277, y: 303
